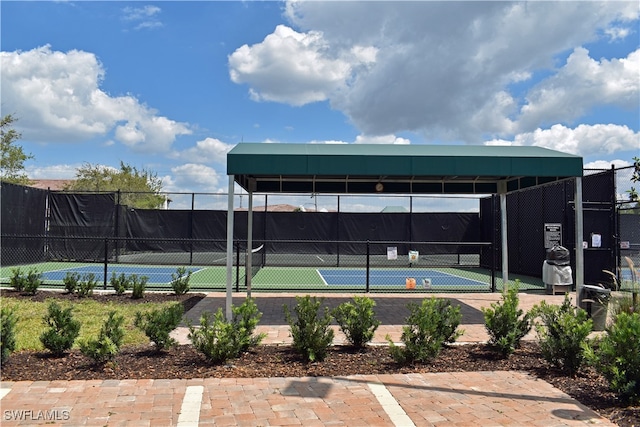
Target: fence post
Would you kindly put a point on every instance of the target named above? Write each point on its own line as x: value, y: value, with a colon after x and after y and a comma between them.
x: 368, y: 265
x: 238, y: 267
x: 193, y: 206
x: 106, y: 261
x: 116, y: 232
x: 493, y: 266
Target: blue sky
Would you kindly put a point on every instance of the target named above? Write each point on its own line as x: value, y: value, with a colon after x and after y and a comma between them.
x: 172, y: 86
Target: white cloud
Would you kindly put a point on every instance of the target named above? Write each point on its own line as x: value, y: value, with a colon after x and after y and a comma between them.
x: 582, y: 84
x: 618, y: 33
x: 63, y: 171
x: 57, y: 98
x: 381, y: 139
x: 209, y: 150
x: 443, y: 69
x: 584, y: 140
x: 293, y: 67
x: 144, y: 17
x: 606, y: 164
x: 192, y: 178
x: 368, y: 139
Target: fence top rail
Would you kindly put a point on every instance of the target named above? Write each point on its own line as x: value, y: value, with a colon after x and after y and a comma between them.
x: 168, y: 239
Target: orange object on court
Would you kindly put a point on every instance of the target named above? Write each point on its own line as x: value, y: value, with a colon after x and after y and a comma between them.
x: 410, y: 283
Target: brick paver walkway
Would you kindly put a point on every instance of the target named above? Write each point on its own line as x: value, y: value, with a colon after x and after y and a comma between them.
x: 440, y: 399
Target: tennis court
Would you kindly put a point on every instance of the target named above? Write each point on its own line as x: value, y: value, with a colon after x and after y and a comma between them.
x: 159, y: 277
x: 353, y: 279
x: 153, y: 274
x: 422, y: 278
x: 214, y: 278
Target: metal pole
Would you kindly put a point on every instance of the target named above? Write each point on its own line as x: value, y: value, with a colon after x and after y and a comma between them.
x: 248, y: 263
x: 229, y: 296
x: 505, y: 248
x: 579, y: 237
x: 116, y: 232
x: 106, y: 261
x: 368, y: 265
x: 494, y: 244
x: 193, y: 206
x: 338, y: 233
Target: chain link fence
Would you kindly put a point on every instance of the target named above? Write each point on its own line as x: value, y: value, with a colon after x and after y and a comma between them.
x: 321, y: 242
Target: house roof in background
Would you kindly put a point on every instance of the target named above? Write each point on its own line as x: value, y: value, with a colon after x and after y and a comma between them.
x: 50, y: 184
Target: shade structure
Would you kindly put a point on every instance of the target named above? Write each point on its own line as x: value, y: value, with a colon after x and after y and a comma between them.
x: 401, y: 169
x: 396, y: 169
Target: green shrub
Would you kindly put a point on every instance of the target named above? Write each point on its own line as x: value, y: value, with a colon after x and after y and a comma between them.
x: 245, y: 320
x: 120, y: 283
x: 616, y: 355
x: 138, y: 285
x: 33, y: 281
x: 506, y: 323
x: 158, y: 324
x: 312, y: 334
x: 357, y: 320
x: 100, y: 349
x: 63, y: 329
x: 28, y: 283
x: 430, y: 326
x: 8, y: 322
x: 180, y: 282
x: 215, y: 340
x: 17, y: 280
x: 71, y: 280
x: 221, y: 340
x: 86, y: 285
x: 562, y: 331
x: 107, y: 345
x: 112, y: 328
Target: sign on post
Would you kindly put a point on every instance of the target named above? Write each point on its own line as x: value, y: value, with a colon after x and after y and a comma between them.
x: 552, y: 235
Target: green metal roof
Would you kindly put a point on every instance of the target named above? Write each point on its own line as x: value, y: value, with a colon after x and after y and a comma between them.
x: 400, y: 169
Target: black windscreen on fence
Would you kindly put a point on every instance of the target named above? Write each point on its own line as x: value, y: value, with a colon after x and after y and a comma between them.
x: 528, y: 211
x: 22, y: 214
x: 80, y: 215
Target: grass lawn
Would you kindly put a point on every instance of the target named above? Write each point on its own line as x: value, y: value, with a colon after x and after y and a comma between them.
x: 91, y: 315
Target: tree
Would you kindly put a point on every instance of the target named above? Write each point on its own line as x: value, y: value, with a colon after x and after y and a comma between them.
x: 138, y: 188
x: 13, y: 157
x: 634, y: 201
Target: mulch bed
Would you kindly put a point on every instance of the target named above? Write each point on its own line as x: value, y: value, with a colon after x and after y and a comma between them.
x: 184, y: 361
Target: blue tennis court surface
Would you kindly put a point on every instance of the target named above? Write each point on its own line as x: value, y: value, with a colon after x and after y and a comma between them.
x: 424, y: 278
x: 155, y: 274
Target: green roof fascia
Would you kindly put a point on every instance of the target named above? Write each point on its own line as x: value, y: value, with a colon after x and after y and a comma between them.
x: 399, y: 160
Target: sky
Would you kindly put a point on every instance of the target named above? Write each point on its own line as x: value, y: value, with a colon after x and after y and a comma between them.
x: 171, y: 87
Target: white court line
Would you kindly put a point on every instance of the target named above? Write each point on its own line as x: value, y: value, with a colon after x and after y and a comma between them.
x: 322, y: 277
x: 390, y: 405
x: 4, y: 392
x: 190, y: 410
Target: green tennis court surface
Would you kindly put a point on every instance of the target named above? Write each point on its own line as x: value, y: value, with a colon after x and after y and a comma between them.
x: 425, y: 278
x: 382, y: 279
x: 303, y: 279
